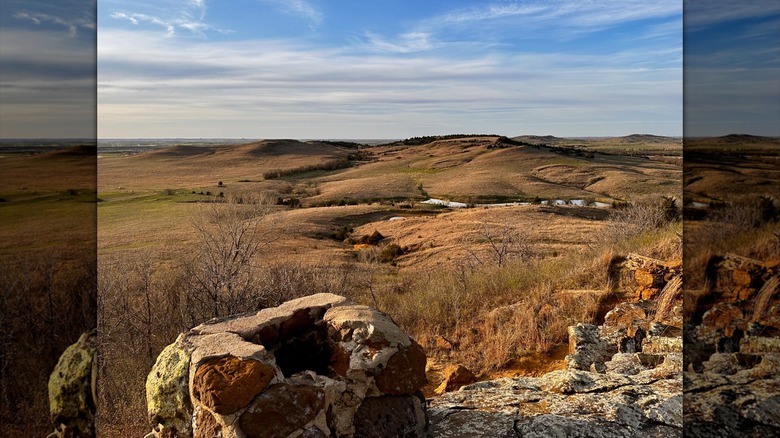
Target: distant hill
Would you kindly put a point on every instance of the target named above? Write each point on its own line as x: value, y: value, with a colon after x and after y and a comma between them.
x: 639, y: 138
x: 541, y: 139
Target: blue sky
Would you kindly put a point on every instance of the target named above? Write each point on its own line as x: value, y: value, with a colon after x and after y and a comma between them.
x: 732, y: 68
x: 388, y: 69
x: 385, y: 69
x: 47, y: 69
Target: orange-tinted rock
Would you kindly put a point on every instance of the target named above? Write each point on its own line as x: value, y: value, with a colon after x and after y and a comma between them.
x: 404, y: 373
x: 643, y: 278
x: 455, y: 376
x: 227, y: 384
x: 339, y: 360
x: 723, y: 316
x: 625, y: 315
x: 281, y: 410
x: 206, y: 426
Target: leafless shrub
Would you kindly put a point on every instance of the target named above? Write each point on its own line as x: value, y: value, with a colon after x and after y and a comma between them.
x: 635, y: 219
x: 229, y: 237
x: 503, y: 243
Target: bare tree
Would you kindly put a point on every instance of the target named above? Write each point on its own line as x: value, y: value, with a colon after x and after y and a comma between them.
x: 230, y: 236
x: 503, y: 242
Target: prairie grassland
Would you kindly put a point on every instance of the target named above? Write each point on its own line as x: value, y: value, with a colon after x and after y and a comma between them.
x: 47, y: 266
x: 487, y: 278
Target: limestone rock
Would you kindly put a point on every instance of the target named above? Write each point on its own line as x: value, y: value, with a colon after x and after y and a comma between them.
x: 282, y: 409
x: 72, y: 390
x: 404, y: 373
x: 625, y: 315
x: 167, y: 390
x: 562, y: 403
x: 391, y: 416
x: 587, y: 347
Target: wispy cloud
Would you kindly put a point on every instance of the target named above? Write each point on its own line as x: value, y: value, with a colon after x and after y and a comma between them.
x: 288, y: 89
x: 405, y: 43
x: 173, y: 17
x: 299, y: 8
x: 706, y: 13
x: 72, y: 24
x: 577, y: 16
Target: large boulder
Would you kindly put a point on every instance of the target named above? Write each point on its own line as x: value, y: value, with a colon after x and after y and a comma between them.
x: 318, y: 366
x: 72, y: 390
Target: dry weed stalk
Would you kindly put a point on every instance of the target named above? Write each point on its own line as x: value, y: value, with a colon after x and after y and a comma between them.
x: 765, y: 296
x: 671, y: 293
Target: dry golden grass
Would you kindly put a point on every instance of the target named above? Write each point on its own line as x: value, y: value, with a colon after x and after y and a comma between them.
x: 47, y: 292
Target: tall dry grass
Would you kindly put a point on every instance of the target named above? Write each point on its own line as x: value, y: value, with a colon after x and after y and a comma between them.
x: 494, y: 313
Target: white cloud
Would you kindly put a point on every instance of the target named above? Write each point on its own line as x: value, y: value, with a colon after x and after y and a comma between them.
x: 405, y: 43
x: 172, y: 16
x: 299, y: 8
x: 700, y: 13
x: 576, y: 15
x: 274, y: 88
x: 72, y: 24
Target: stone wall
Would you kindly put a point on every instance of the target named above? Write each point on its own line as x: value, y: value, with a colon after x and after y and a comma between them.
x: 732, y: 350
x: 318, y: 366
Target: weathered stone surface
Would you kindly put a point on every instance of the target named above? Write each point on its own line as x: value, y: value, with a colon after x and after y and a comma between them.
x: 282, y: 409
x: 305, y: 368
x: 455, y: 376
x: 391, y: 416
x: 209, y: 346
x: 662, y: 345
x: 640, y: 277
x: 366, y: 326
x: 625, y: 363
x: 575, y: 381
x: 404, y: 372
x: 466, y: 423
x: 206, y: 426
x: 249, y: 326
x: 71, y: 390
x: 227, y: 384
x: 167, y: 389
x: 587, y: 348
x: 735, y: 405
x: 568, y: 403
x: 724, y: 316
x: 625, y: 315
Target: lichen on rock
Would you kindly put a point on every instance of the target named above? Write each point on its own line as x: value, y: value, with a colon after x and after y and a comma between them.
x: 167, y: 391
x: 72, y: 390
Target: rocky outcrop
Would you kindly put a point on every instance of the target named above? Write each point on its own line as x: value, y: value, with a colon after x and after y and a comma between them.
x: 318, y: 366
x: 72, y: 390
x: 641, y: 278
x: 732, y: 351
x: 565, y: 403
x: 623, y: 378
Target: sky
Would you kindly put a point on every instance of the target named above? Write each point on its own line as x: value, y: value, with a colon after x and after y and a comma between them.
x: 388, y: 69
x: 732, y: 68
x: 47, y: 69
